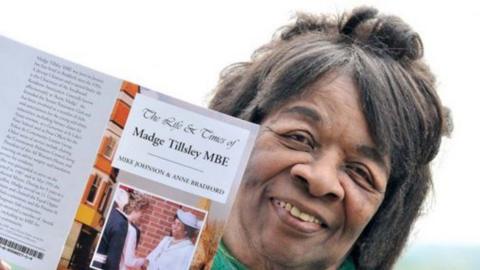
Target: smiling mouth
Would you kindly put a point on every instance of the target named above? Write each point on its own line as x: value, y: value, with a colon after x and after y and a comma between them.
x: 296, y: 213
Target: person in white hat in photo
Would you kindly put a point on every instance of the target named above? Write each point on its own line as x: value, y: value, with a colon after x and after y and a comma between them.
x: 175, y: 251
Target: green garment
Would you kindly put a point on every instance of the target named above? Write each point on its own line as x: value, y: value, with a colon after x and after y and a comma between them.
x: 225, y: 261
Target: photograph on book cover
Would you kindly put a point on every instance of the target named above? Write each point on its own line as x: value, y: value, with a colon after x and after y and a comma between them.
x: 161, y: 233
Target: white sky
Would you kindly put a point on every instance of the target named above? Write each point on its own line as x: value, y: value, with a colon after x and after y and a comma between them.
x: 179, y: 49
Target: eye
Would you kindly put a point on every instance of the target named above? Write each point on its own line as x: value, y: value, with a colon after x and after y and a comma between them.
x: 300, y: 140
x: 359, y: 173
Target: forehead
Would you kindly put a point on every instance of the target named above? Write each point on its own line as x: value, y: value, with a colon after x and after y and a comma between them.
x: 330, y: 99
x: 178, y: 221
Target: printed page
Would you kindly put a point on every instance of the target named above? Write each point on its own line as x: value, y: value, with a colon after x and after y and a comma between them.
x: 52, y: 116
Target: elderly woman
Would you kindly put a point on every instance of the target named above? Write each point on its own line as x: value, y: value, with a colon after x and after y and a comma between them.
x: 175, y: 252
x: 350, y: 121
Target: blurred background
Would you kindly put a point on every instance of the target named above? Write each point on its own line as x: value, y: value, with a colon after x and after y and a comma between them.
x: 179, y: 48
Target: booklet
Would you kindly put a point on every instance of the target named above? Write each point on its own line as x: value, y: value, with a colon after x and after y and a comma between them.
x: 98, y: 171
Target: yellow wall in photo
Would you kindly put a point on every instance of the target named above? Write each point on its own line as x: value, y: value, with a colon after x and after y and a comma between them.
x: 88, y: 215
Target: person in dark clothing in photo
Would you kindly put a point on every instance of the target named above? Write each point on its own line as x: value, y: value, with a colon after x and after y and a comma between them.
x: 121, y: 235
x: 109, y: 251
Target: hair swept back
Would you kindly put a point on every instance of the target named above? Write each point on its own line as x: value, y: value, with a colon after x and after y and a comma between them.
x: 397, y: 90
x: 137, y: 202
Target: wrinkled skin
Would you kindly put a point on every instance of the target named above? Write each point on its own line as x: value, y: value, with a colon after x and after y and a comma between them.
x: 315, y: 153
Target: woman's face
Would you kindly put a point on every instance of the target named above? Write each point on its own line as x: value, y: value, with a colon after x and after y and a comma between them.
x: 314, y: 181
x: 178, y: 229
x: 135, y: 216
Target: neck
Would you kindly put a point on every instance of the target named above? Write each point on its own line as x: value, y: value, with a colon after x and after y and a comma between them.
x: 237, y: 241
x: 177, y: 237
x: 130, y: 219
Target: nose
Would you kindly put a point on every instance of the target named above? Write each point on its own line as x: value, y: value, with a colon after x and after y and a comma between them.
x: 320, y: 176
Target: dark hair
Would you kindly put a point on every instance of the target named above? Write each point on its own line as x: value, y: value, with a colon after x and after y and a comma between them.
x: 383, y: 55
x: 190, y: 232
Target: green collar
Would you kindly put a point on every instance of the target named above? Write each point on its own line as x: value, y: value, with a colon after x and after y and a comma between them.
x: 224, y: 260
x: 347, y: 264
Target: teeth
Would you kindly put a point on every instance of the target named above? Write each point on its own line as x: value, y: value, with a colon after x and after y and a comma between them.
x: 288, y: 206
x: 306, y: 217
x: 294, y: 211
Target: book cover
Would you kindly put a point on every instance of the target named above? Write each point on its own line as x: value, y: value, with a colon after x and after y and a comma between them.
x: 79, y: 148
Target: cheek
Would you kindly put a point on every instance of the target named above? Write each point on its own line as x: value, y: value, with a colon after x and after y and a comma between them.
x: 269, y: 159
x: 360, y: 207
x: 258, y: 170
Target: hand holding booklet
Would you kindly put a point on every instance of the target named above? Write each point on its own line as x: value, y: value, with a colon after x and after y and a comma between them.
x: 101, y: 173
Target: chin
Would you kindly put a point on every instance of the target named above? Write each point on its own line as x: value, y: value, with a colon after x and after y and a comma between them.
x: 287, y: 260
x: 287, y: 253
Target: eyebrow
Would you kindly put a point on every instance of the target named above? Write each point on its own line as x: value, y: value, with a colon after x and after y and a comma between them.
x: 373, y: 154
x: 304, y: 111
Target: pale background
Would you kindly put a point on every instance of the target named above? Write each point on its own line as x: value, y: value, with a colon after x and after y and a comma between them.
x: 179, y: 49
